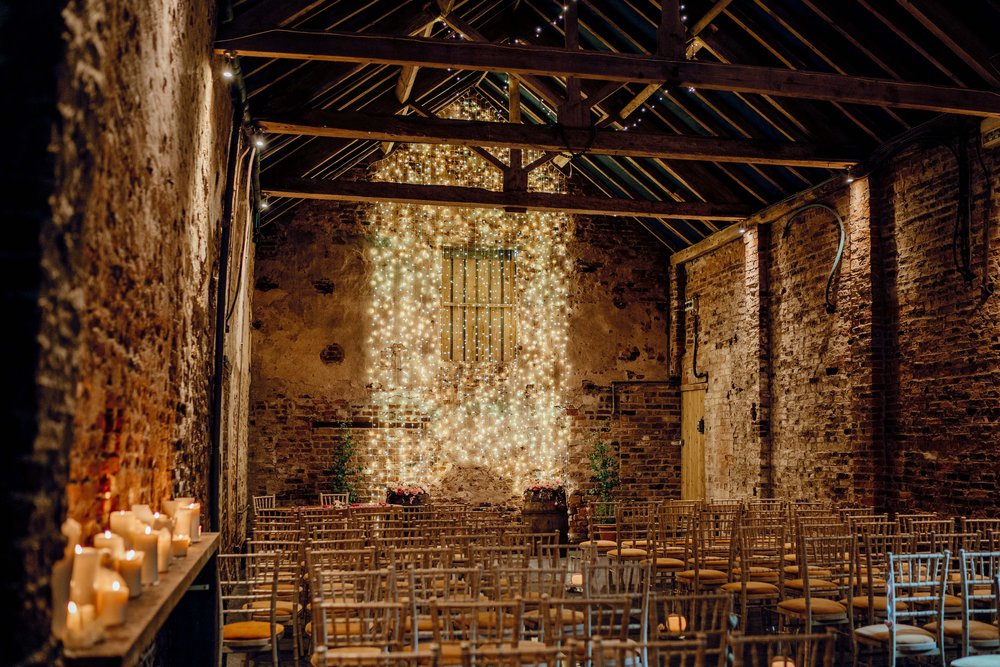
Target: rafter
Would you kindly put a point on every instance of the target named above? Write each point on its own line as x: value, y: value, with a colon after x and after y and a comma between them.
x: 555, y: 138
x: 446, y: 195
x: 352, y: 47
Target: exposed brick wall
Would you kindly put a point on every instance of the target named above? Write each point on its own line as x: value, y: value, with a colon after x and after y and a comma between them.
x: 890, y: 396
x: 313, y: 293
x: 943, y: 403
x: 124, y: 157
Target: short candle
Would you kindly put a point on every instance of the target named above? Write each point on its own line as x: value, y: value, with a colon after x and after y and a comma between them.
x: 111, y: 602
x: 676, y: 623
x: 147, y: 542
x: 782, y: 661
x: 179, y: 546
x: 110, y: 541
x: 130, y: 567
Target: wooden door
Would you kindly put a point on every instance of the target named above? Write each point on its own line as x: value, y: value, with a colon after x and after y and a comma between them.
x: 693, y: 443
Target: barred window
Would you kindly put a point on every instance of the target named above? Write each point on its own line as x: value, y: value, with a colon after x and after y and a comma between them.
x: 479, y: 324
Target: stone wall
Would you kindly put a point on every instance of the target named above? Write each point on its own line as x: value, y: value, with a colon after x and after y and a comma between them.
x: 309, y: 358
x: 125, y: 158
x: 881, y: 400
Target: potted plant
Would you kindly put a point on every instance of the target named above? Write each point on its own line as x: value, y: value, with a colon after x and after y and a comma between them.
x: 604, y: 466
x: 343, y: 473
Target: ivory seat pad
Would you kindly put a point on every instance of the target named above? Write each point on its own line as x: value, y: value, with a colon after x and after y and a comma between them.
x: 908, y: 637
x: 628, y: 553
x: 241, y: 631
x: 600, y: 544
x: 821, y: 607
x: 978, y: 630
x: 350, y: 628
x: 635, y: 543
x: 753, y: 587
x: 568, y: 616
x: 977, y: 661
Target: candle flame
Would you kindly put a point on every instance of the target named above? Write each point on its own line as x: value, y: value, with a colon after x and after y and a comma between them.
x: 107, y: 533
x: 115, y: 586
x: 149, y: 530
x: 130, y: 554
x: 72, y: 608
x: 79, y: 549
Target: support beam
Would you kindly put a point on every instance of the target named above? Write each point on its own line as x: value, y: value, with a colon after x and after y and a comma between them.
x: 407, y: 75
x: 670, y: 38
x: 446, y: 195
x: 523, y: 60
x: 412, y: 129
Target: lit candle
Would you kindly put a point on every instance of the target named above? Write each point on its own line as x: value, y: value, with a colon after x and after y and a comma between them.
x: 147, y: 542
x: 62, y: 572
x: 179, y: 546
x: 676, y: 623
x: 81, y: 585
x: 130, y: 567
x: 81, y: 630
x: 112, y: 599
x: 169, y: 507
x: 113, y: 543
x: 73, y: 622
x: 782, y: 661
x: 163, y: 549
x: 122, y: 524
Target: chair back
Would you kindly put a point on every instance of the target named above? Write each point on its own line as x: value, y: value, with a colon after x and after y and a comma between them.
x: 672, y: 653
x: 673, y: 616
x: 784, y: 650
x: 919, y: 582
x: 979, y: 578
x: 334, y: 498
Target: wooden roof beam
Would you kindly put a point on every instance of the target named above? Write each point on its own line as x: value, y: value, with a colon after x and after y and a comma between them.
x: 524, y: 60
x: 413, y: 129
x: 446, y: 195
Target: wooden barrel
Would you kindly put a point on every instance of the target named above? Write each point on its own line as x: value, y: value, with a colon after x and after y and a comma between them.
x: 544, y: 515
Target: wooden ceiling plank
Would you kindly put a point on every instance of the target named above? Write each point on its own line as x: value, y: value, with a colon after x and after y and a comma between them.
x: 412, y: 129
x: 446, y: 195
x: 954, y: 34
x: 523, y: 60
x: 913, y: 44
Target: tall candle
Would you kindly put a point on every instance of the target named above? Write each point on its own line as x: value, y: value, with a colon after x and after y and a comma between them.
x: 110, y: 541
x: 169, y: 507
x: 81, y: 584
x: 182, y: 521
x: 163, y: 549
x: 130, y: 567
x: 195, y: 522
x: 121, y: 524
x: 147, y: 542
x: 112, y: 598
x: 81, y: 628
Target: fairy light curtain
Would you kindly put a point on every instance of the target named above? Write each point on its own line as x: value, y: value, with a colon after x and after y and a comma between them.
x: 496, y: 404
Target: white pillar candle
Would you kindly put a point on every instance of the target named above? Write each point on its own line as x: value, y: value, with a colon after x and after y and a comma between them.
x: 195, y: 522
x: 143, y: 513
x: 112, y: 598
x: 169, y: 507
x: 147, y: 542
x: 81, y: 628
x: 163, y: 549
x: 130, y: 567
x: 179, y: 546
x: 110, y: 541
x: 73, y: 622
x: 121, y: 524
x: 184, y: 501
x: 81, y: 584
x: 182, y: 521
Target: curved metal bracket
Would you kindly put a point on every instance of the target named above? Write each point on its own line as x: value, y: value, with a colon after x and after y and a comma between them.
x: 830, y: 306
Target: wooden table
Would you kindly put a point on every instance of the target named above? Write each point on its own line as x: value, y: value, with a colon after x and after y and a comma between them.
x: 124, y: 645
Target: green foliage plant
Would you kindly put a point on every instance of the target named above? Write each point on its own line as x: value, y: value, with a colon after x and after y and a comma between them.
x: 604, y: 465
x: 343, y: 473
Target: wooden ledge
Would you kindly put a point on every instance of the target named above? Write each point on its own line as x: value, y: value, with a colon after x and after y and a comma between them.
x: 146, y: 614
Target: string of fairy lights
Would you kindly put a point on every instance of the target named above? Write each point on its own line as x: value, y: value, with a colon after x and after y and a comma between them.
x: 434, y: 413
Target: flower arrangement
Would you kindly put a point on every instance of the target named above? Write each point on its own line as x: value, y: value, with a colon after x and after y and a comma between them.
x: 551, y: 490
x: 399, y: 493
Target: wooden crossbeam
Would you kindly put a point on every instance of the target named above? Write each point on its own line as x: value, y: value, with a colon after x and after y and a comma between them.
x: 354, y: 47
x: 413, y: 129
x: 448, y: 195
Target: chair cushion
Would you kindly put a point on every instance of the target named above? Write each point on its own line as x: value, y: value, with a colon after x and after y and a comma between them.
x: 977, y: 661
x: 706, y: 574
x: 822, y: 609
x: 283, y: 609
x: 630, y: 553
x: 978, y: 630
x: 879, y: 603
x: 600, y: 544
x: 352, y: 628
x: 642, y: 543
x: 814, y: 584
x: 908, y: 637
x: 569, y: 616
x: 250, y: 631
x: 664, y: 563
x: 814, y: 571
x: 753, y: 587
